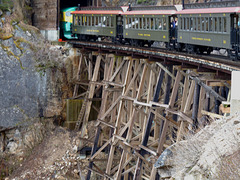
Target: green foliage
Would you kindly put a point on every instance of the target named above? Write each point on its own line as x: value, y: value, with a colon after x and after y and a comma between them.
x: 146, y: 2
x: 6, y: 5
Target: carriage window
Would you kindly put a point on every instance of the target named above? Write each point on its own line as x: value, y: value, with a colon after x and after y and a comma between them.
x: 224, y: 24
x: 184, y: 24
x: 158, y: 24
x: 98, y: 21
x: 188, y: 27
x: 202, y: 24
x: 79, y: 21
x: 198, y: 24
x: 206, y: 24
x: 215, y: 24
x: 145, y: 23
x: 75, y: 20
x: 107, y: 21
x: 220, y: 24
x: 154, y: 23
x: 102, y: 21
x: 84, y: 20
x: 180, y: 23
x: 129, y: 23
x: 87, y: 20
x: 140, y: 23
x: 149, y: 23
x: 136, y: 22
x: 133, y: 23
x: 164, y: 24
x: 191, y: 24
x: 112, y: 21
x: 92, y: 21
x: 194, y: 23
x: 210, y: 24
x: 95, y: 21
x: 126, y: 23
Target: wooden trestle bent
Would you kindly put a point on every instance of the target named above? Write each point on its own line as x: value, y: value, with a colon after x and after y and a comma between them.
x: 145, y: 108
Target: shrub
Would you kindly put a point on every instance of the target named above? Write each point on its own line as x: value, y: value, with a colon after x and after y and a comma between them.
x: 6, y: 5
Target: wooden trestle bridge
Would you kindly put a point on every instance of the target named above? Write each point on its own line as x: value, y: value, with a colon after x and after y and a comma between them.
x: 149, y: 100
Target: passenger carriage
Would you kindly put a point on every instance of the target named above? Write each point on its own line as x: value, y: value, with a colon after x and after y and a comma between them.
x: 91, y: 23
x: 144, y: 25
x: 204, y: 29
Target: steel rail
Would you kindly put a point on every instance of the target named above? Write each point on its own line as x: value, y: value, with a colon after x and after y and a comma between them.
x: 220, y: 64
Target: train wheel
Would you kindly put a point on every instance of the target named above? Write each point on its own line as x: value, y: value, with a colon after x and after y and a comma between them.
x: 190, y: 49
x: 141, y: 43
x: 209, y: 50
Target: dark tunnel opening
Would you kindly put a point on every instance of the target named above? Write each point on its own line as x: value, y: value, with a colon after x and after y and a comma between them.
x: 71, y: 3
x: 66, y: 4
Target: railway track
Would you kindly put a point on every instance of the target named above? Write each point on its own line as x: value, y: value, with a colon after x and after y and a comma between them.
x: 211, y: 62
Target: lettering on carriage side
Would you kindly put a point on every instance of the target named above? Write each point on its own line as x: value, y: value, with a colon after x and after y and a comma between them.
x: 75, y: 29
x: 201, y: 39
x: 139, y: 34
x: 164, y: 37
x: 126, y: 34
x: 92, y: 30
x: 224, y: 42
x: 180, y: 37
x: 147, y: 35
x: 111, y: 32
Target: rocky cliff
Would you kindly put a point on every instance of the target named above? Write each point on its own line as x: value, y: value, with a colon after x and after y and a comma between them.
x: 35, y: 80
x: 32, y: 71
x: 212, y: 153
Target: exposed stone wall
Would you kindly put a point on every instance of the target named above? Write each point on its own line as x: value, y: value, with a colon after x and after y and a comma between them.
x: 45, y: 15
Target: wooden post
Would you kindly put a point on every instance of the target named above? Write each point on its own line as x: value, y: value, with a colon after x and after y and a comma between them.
x: 167, y: 95
x: 94, y: 149
x: 217, y: 103
x: 130, y: 129
x: 195, y: 106
x: 107, y: 74
x: 78, y: 76
x: 137, y: 174
x: 183, y: 104
x: 90, y: 96
x: 166, y: 124
x: 112, y: 149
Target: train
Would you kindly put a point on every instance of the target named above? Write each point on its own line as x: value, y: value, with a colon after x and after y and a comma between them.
x: 197, y: 28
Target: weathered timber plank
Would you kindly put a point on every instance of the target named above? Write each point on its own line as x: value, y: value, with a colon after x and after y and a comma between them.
x: 137, y: 173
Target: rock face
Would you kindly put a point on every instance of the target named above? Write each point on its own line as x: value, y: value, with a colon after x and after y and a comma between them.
x: 22, y: 89
x: 32, y: 76
x: 202, y: 156
x: 46, y: 14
